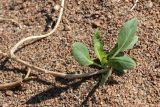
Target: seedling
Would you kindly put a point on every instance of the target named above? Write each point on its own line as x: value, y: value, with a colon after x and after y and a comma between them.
x: 114, y: 59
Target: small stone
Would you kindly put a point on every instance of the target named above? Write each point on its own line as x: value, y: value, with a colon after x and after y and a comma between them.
x: 114, y: 1
x: 126, y: 0
x: 149, y: 4
x: 56, y: 7
x: 79, y: 2
x: 9, y: 93
x: 96, y: 23
x: 147, y: 54
x: 67, y: 28
x: 109, y: 16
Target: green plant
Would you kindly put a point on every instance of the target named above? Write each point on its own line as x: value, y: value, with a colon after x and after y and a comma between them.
x: 114, y: 59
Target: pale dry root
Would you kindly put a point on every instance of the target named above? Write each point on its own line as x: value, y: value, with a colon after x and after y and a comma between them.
x: 8, y: 86
x: 56, y: 74
x: 12, y: 56
x: 134, y: 4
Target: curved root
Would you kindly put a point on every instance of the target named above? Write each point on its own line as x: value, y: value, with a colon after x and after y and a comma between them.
x: 8, y: 86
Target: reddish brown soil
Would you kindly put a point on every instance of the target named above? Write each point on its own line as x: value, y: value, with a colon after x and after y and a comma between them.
x: 140, y: 86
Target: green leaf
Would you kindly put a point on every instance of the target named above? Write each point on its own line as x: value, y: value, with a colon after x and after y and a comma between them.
x: 123, y: 62
x: 135, y: 39
x: 105, y: 76
x: 98, y: 47
x: 81, y: 54
x: 127, y: 36
x: 127, y: 33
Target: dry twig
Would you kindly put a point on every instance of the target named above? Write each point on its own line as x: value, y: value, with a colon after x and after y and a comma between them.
x: 135, y: 4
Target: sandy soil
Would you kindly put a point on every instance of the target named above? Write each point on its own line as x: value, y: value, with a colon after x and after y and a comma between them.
x: 139, y: 87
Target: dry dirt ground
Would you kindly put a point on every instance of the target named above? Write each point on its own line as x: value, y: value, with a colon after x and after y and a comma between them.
x: 139, y: 87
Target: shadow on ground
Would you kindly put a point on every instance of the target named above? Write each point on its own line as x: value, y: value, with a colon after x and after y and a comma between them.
x: 55, y: 91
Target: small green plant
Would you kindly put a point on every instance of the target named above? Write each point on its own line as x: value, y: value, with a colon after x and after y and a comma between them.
x: 114, y: 59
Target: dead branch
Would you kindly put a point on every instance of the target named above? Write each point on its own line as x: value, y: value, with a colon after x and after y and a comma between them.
x: 135, y: 4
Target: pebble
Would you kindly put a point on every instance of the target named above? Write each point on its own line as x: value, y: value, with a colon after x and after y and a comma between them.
x: 56, y: 7
x: 149, y: 4
x: 67, y: 28
x: 114, y: 1
x: 9, y: 93
x: 79, y: 2
x: 96, y: 23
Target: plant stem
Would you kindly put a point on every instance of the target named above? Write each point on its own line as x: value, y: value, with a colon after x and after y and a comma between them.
x: 115, y: 54
x: 106, y: 75
x: 98, y: 65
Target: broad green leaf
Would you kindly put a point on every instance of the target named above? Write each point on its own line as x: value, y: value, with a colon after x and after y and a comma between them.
x: 135, y: 39
x: 126, y: 37
x: 123, y: 62
x: 98, y: 47
x: 81, y: 54
x: 104, y: 77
